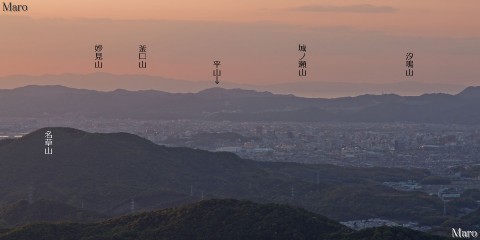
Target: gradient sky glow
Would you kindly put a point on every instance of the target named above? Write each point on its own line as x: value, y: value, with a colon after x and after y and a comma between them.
x: 257, y: 41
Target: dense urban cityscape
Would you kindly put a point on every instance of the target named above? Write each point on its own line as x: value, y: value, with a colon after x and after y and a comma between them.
x: 449, y: 151
x: 435, y: 147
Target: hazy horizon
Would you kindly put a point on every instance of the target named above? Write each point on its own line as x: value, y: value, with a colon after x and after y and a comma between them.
x: 137, y: 82
x: 348, y: 41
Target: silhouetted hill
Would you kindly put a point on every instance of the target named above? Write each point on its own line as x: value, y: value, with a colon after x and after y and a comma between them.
x: 213, y: 219
x: 470, y: 92
x: 238, y: 105
x: 134, y: 82
x: 106, y: 171
x: 23, y: 212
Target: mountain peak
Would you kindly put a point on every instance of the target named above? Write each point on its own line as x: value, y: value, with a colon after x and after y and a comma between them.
x: 68, y: 134
x: 470, y: 92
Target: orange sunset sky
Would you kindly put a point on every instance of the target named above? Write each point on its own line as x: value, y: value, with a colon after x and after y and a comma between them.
x: 257, y: 41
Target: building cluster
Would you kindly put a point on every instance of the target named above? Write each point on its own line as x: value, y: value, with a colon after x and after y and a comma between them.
x: 377, y: 222
x: 434, y: 147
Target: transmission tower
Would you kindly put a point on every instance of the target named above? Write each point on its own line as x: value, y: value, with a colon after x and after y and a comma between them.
x: 293, y: 192
x: 132, y: 205
x: 30, y: 194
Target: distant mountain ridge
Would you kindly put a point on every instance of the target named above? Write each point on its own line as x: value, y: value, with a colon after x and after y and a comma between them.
x: 470, y: 92
x: 109, y: 82
x: 220, y: 104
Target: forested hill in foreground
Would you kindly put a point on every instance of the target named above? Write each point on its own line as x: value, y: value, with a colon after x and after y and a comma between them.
x: 238, y: 105
x: 213, y: 219
x: 104, y: 172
